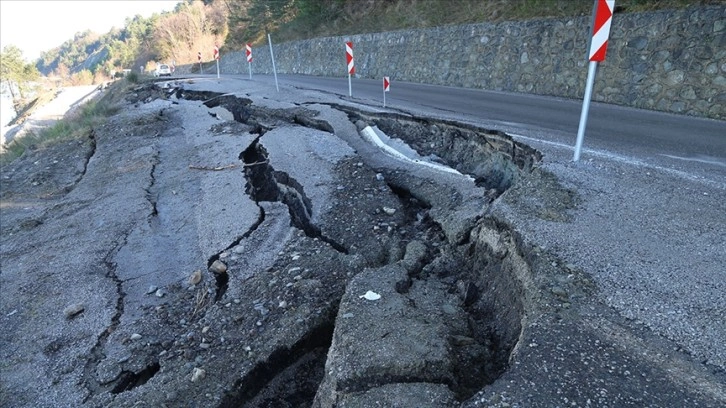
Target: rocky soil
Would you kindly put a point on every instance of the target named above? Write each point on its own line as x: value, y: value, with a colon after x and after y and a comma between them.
x: 238, y: 250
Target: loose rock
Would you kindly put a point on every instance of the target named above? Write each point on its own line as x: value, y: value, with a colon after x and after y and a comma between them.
x: 218, y: 267
x: 198, y: 374
x: 73, y: 310
x: 195, y: 277
x: 558, y: 291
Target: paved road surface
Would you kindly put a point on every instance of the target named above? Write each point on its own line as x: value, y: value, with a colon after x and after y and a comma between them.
x: 607, y: 274
x: 686, y: 144
x: 66, y: 99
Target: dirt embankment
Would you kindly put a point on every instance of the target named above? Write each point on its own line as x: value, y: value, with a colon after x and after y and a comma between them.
x: 46, y: 110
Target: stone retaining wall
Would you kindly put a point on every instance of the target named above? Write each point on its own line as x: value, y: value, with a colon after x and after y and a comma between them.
x: 673, y: 60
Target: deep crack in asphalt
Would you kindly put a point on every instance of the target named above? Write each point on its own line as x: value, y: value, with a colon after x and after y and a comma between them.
x: 459, y: 283
x: 481, y: 349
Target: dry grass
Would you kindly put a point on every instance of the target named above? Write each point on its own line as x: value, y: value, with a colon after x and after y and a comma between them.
x: 76, y: 125
x: 201, y: 300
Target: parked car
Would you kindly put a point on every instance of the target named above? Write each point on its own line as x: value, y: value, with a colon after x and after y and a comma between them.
x: 162, y: 70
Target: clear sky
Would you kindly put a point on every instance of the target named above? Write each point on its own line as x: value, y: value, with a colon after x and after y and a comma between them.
x: 35, y: 25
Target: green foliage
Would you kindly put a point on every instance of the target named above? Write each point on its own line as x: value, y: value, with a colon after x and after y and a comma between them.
x: 13, y: 150
x: 290, y: 20
x: 250, y: 20
x: 84, y: 77
x: 193, y: 27
x: 16, y: 74
x: 113, y: 51
x: 132, y: 77
x: 72, y: 53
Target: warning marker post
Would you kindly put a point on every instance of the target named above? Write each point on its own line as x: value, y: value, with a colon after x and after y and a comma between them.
x: 351, y: 65
x: 248, y: 51
x: 386, y: 88
x: 602, y: 19
x: 216, y: 58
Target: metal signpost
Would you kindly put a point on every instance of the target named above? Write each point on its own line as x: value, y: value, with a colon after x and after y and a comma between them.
x: 386, y: 88
x: 249, y: 57
x: 602, y: 19
x: 351, y: 65
x: 199, y: 58
x: 272, y: 56
x: 216, y: 58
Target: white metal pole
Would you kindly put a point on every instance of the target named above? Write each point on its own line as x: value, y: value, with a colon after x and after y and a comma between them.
x: 350, y: 87
x: 384, y: 97
x: 591, y: 71
x: 250, y: 66
x: 201, y: 72
x: 272, y: 56
x: 217, y: 68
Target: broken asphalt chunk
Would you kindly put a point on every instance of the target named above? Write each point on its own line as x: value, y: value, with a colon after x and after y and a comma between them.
x: 74, y: 310
x: 370, y: 295
x: 218, y: 267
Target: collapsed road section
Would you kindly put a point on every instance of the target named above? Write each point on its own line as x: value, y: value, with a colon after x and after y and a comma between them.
x: 298, y: 224
x: 461, y: 303
x: 263, y: 252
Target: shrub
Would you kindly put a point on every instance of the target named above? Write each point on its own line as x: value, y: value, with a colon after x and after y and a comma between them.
x: 132, y: 77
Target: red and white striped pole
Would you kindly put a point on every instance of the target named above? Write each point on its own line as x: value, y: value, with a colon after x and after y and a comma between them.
x: 249, y: 57
x: 386, y: 88
x: 216, y: 57
x: 199, y: 59
x: 351, y: 65
x: 602, y: 19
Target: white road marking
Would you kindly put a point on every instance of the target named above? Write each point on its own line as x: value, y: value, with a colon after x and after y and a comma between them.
x: 706, y: 159
x: 371, y: 136
x: 631, y: 161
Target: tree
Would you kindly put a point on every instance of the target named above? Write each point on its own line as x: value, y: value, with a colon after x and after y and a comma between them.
x: 17, y: 75
x: 62, y: 71
x: 99, y: 77
x: 83, y: 77
x: 193, y: 27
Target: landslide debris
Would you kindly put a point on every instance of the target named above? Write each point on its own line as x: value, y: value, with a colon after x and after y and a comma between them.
x: 283, y: 322
x: 462, y: 305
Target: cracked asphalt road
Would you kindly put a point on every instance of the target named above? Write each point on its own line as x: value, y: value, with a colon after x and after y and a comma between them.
x: 216, y: 249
